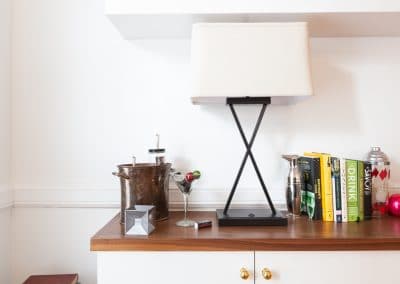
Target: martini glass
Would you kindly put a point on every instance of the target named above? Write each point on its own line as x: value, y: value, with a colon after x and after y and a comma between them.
x: 186, y: 188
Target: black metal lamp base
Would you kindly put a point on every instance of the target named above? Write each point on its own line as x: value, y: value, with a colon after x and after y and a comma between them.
x: 251, y: 217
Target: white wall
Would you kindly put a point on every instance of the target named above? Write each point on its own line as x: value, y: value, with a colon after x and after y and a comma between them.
x: 85, y: 100
x: 5, y: 245
x: 5, y: 136
x: 51, y: 241
x: 5, y: 96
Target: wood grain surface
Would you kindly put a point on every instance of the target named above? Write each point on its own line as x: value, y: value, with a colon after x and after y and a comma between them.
x: 52, y: 279
x: 301, y: 235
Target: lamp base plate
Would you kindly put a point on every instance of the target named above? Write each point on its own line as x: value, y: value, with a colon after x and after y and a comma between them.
x: 251, y: 217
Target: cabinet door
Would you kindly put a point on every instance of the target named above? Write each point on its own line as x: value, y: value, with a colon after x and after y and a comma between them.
x: 174, y: 267
x: 328, y: 267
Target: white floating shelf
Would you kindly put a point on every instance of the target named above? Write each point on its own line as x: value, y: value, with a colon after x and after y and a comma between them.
x: 174, y: 18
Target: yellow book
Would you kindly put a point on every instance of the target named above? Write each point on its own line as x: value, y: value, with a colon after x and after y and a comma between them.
x: 326, y: 184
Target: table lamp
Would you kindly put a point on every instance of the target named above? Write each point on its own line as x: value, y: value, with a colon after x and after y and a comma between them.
x: 250, y: 63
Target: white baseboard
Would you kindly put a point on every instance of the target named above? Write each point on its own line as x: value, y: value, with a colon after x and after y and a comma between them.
x: 5, y: 205
x: 6, y: 198
x: 79, y: 197
x: 200, y: 199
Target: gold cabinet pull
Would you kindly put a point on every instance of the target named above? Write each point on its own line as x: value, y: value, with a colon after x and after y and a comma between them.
x: 266, y: 273
x: 244, y: 274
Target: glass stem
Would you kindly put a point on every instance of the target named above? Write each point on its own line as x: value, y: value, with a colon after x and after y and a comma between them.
x: 186, y: 204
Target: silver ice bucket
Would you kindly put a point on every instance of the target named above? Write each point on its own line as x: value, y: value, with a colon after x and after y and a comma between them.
x: 145, y: 184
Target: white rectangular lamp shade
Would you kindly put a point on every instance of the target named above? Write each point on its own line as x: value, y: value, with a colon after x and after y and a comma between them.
x: 250, y: 60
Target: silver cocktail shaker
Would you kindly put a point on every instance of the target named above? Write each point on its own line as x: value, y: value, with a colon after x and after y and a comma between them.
x: 294, y: 184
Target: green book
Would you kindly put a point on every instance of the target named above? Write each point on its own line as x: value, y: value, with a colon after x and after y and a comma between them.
x: 311, y: 203
x: 360, y: 168
x: 352, y: 190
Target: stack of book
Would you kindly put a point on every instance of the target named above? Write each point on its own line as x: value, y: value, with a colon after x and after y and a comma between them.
x: 335, y: 189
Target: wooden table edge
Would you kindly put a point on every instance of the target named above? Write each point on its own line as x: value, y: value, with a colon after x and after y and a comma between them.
x: 380, y: 234
x: 245, y: 245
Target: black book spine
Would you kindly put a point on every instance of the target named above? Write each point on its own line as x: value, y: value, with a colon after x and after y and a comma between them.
x: 336, y: 183
x: 305, y: 167
x: 316, y: 177
x: 367, y: 191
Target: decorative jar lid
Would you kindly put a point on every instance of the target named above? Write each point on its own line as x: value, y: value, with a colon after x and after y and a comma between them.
x: 376, y: 156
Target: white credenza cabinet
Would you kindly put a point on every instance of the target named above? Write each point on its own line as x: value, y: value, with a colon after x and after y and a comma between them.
x: 173, y: 267
x: 344, y: 267
x: 327, y: 267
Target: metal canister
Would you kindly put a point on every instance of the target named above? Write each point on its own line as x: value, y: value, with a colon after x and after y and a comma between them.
x: 144, y: 184
x: 293, y: 188
x: 380, y: 171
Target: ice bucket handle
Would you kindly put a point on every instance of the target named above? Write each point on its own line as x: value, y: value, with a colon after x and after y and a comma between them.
x: 121, y: 175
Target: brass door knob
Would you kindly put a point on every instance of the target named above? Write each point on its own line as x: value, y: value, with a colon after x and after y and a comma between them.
x: 244, y: 274
x: 266, y: 273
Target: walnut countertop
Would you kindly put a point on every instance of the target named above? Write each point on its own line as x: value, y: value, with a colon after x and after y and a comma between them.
x: 301, y: 234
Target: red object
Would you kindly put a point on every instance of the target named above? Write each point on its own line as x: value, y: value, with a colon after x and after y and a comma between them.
x: 394, y: 205
x: 382, y: 208
x: 189, y: 177
x: 383, y: 174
